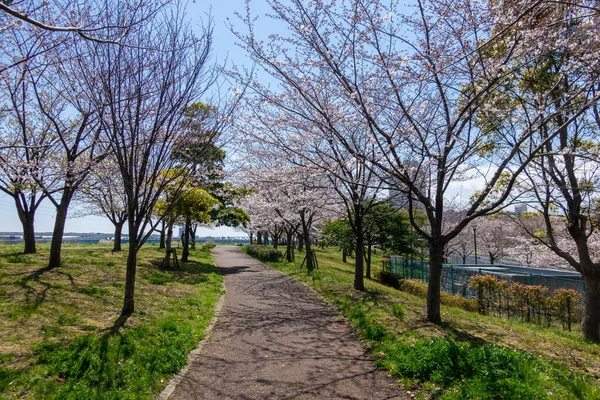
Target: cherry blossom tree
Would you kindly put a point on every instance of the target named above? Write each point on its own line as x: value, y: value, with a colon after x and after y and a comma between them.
x: 287, y: 195
x: 103, y: 194
x: 51, y: 24
x: 496, y: 235
x: 560, y: 80
x: 420, y: 86
x: 75, y: 123
x: 25, y: 145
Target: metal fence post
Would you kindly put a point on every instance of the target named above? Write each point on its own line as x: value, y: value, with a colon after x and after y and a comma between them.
x: 452, y: 278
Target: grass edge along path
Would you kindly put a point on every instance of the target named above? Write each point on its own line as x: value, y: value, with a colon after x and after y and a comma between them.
x: 69, y: 349
x: 439, y: 361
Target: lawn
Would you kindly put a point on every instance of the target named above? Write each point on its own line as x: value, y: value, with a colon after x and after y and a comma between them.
x: 60, y: 334
x: 467, y: 356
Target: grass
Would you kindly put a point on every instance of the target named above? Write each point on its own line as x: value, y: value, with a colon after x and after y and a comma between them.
x: 468, y: 356
x: 58, y: 329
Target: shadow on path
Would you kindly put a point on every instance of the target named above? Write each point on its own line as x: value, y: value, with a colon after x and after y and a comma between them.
x: 275, y: 339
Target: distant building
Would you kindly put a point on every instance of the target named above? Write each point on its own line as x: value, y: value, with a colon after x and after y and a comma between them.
x: 520, y: 209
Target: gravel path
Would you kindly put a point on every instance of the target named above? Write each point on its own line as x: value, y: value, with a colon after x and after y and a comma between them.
x: 276, y: 340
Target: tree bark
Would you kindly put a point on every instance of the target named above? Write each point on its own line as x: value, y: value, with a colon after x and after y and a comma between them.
x: 259, y: 237
x: 193, y: 229
x: 186, y: 239
x: 168, y: 245
x: 129, y: 299
x: 344, y: 259
x: 359, y: 282
x: 59, y: 228
x: 590, y: 325
x: 27, y: 221
x: 306, y: 236
x: 289, y: 251
x: 162, y: 235
x: 436, y: 256
x: 117, y: 239
x: 300, y: 243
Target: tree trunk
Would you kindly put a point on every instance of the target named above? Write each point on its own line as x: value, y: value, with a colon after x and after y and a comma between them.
x: 275, y: 241
x: 194, y: 227
x: 259, y: 237
x: 436, y: 256
x: 162, y: 235
x: 344, y: 259
x: 27, y: 219
x: 59, y: 228
x: 289, y: 251
x: 359, y: 283
x: 306, y: 236
x: 492, y: 258
x: 129, y: 301
x: 300, y: 243
x: 186, y: 240
x: 117, y: 239
x: 168, y: 245
x: 590, y: 325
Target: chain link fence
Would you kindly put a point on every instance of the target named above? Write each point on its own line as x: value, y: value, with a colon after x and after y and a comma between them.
x: 455, y: 279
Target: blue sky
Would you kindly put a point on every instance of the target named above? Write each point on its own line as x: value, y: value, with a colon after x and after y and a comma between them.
x: 223, y: 48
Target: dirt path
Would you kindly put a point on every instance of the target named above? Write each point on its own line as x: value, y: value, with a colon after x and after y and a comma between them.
x: 275, y: 339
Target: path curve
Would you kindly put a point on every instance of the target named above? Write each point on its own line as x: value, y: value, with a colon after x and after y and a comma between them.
x: 275, y: 339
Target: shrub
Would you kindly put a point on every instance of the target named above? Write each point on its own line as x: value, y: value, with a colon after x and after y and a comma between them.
x: 207, y: 246
x: 264, y: 253
x: 389, y: 279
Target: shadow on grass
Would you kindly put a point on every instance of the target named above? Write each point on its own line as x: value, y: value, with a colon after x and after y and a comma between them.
x: 189, y: 273
x: 118, y: 324
x: 34, y: 297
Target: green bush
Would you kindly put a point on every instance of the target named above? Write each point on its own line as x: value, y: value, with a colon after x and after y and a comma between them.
x: 389, y: 279
x: 264, y: 253
x: 473, y: 372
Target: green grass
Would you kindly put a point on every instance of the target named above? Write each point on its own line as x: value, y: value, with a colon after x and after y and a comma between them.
x: 58, y: 336
x: 468, y: 356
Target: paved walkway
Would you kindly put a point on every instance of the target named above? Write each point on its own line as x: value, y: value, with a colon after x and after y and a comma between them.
x: 276, y: 340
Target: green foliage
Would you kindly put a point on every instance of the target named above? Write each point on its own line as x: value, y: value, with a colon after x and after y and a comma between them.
x: 263, y: 253
x: 119, y: 366
x: 339, y: 233
x: 158, y: 279
x: 476, y: 372
x: 398, y: 310
x: 389, y: 228
x: 388, y: 278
